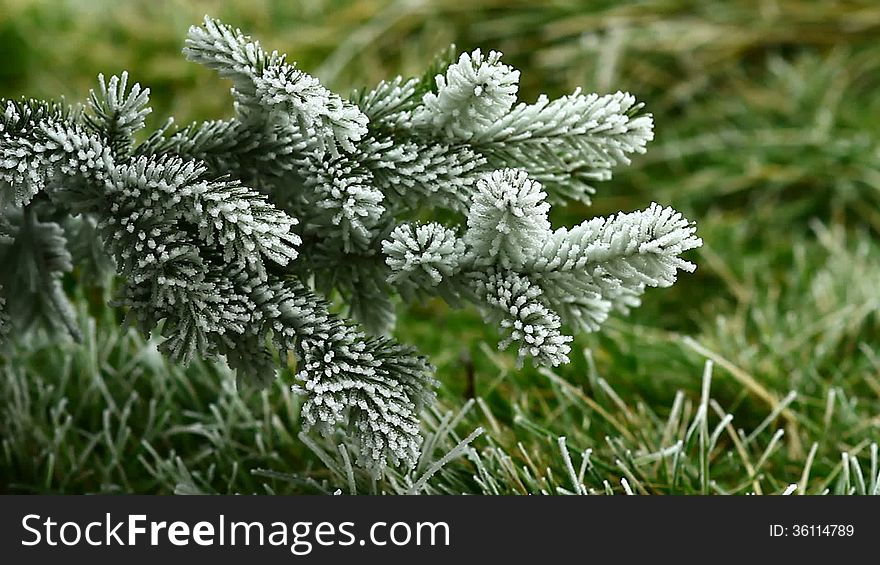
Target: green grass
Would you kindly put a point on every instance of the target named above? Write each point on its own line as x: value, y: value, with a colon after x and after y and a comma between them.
x: 767, y: 128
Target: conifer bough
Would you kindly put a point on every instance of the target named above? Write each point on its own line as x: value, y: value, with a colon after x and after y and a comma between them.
x: 227, y: 234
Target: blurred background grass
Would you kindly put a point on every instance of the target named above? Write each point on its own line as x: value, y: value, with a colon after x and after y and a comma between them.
x: 767, y: 119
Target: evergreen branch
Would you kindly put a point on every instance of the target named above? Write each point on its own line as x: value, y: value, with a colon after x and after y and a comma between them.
x: 578, y: 135
x: 507, y: 220
x: 39, y: 252
x: 411, y: 171
x: 251, y: 153
x: 225, y: 231
x: 471, y: 95
x: 578, y: 275
x: 117, y: 115
x: 268, y: 89
x: 193, y: 252
x: 517, y: 305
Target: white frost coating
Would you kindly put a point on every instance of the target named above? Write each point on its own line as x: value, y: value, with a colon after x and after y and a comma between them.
x: 507, y: 221
x: 523, y: 316
x: 422, y: 255
x: 118, y: 111
x: 346, y: 192
x: 570, y: 142
x: 637, y: 248
x: 472, y: 94
x: 373, y: 387
x: 267, y: 88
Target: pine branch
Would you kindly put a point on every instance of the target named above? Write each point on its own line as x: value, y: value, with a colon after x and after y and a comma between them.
x: 578, y: 276
x: 421, y: 257
x: 471, y: 95
x: 343, y: 194
x: 194, y: 253
x: 39, y: 252
x: 518, y: 306
x: 253, y: 153
x: 225, y: 232
x: 507, y: 220
x: 578, y: 135
x: 412, y: 171
x: 118, y: 115
x: 270, y: 90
